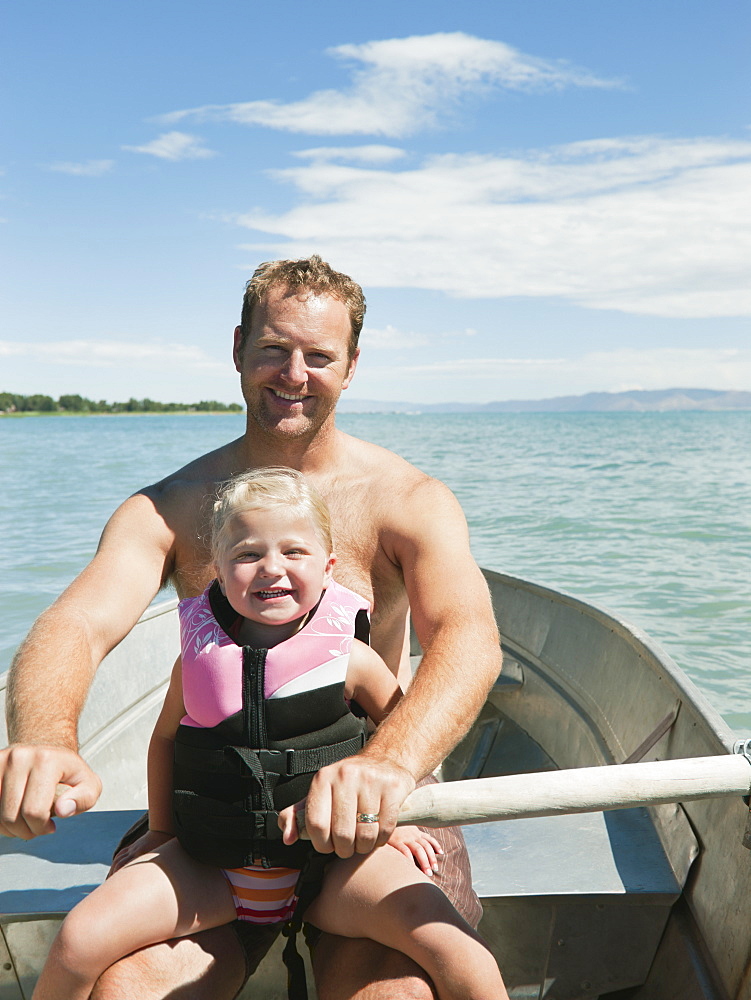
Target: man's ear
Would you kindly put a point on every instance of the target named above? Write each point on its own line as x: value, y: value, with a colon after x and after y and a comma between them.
x: 351, y: 371
x: 236, y: 351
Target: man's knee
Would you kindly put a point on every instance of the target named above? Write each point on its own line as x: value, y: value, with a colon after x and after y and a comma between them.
x: 358, y: 969
x: 210, y: 966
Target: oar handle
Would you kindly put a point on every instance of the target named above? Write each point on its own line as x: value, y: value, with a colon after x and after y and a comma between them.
x: 588, y: 789
x: 575, y: 790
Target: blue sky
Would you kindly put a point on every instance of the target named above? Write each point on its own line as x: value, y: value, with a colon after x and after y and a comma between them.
x: 540, y: 197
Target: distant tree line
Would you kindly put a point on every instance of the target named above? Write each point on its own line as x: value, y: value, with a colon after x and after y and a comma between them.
x: 11, y: 402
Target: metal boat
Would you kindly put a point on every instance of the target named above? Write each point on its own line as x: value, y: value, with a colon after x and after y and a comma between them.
x: 643, y: 903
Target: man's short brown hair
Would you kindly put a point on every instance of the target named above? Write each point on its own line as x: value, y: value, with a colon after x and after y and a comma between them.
x: 309, y: 274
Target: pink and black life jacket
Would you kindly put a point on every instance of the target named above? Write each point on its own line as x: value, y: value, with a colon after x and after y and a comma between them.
x: 259, y: 724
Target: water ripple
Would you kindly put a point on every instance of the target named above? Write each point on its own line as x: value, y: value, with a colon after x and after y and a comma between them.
x: 647, y: 514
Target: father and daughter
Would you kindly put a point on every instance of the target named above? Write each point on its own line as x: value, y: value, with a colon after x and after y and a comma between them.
x: 271, y: 665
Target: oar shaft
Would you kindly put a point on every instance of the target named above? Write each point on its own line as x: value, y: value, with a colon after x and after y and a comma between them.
x: 589, y: 789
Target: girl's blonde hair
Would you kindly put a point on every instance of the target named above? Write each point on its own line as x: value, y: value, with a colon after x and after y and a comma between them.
x: 265, y: 489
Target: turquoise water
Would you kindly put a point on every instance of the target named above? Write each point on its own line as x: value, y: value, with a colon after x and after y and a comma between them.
x: 645, y: 514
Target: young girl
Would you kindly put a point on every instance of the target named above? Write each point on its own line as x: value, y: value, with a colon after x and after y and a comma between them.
x: 255, y: 706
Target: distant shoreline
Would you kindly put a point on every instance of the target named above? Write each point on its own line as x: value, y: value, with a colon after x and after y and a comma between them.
x: 16, y: 404
x: 675, y: 400
x: 187, y: 412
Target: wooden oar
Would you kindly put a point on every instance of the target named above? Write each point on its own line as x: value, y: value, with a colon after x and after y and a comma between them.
x: 586, y: 789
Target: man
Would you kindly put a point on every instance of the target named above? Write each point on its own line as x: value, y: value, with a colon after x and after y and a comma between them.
x: 401, y: 542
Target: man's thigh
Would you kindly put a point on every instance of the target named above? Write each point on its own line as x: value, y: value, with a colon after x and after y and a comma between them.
x: 210, y: 966
x: 454, y: 875
x: 358, y: 969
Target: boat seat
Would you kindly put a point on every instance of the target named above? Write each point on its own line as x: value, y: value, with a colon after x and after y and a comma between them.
x: 49, y: 875
x: 41, y: 880
x: 577, y: 904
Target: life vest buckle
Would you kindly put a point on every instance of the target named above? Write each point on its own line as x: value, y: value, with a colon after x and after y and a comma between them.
x: 277, y: 761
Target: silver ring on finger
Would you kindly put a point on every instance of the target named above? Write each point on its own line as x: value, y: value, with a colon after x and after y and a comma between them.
x: 367, y: 817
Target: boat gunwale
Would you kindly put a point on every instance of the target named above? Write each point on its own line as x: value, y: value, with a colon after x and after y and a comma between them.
x: 658, y: 657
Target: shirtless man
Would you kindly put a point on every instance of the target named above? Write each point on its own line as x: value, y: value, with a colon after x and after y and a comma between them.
x: 401, y: 541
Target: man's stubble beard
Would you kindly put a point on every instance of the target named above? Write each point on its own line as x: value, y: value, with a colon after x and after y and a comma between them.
x: 303, y: 426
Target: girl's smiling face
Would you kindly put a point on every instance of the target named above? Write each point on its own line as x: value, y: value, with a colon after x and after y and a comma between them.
x: 273, y: 566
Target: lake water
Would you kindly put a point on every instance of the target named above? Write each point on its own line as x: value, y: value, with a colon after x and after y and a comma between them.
x: 645, y: 514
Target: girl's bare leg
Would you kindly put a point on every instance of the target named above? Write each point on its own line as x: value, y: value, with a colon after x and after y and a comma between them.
x: 162, y: 895
x: 385, y: 897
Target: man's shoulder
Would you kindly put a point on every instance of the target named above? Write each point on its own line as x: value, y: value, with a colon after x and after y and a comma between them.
x: 386, y: 470
x: 397, y: 491
x: 194, y: 481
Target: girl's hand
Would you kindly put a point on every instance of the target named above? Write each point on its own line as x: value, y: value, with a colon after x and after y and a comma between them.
x: 292, y: 822
x: 419, y: 846
x: 144, y: 845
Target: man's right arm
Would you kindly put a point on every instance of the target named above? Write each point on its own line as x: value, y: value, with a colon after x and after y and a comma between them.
x: 55, y: 665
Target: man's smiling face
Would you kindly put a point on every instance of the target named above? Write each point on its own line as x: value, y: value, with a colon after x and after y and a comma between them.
x: 295, y: 362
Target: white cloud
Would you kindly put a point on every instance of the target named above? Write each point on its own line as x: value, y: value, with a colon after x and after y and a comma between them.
x: 604, y: 371
x: 644, y: 225
x: 362, y: 154
x: 111, y: 369
x: 111, y: 353
x: 390, y: 338
x: 91, y: 168
x: 400, y: 85
x: 174, y: 146
x: 490, y: 378
x: 118, y: 369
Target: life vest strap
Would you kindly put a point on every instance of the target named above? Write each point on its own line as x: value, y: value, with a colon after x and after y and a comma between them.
x: 308, y: 886
x: 217, y: 817
x: 287, y: 763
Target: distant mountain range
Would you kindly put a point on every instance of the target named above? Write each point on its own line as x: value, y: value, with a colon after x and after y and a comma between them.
x: 633, y: 401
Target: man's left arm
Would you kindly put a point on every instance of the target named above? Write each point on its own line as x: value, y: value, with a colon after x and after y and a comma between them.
x: 454, y: 621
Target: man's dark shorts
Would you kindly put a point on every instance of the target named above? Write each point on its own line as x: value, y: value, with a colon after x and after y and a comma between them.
x: 454, y: 878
